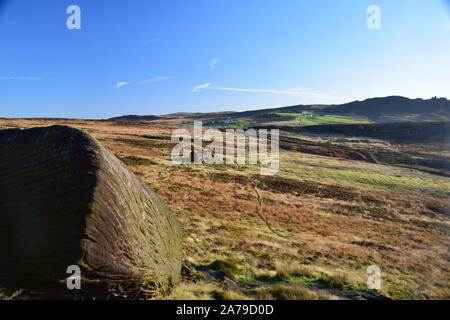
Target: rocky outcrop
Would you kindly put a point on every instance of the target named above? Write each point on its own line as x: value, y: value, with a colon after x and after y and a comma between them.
x: 66, y: 200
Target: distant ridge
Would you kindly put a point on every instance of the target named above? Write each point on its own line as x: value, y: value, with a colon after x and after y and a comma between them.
x: 436, y: 108
x: 393, y: 105
x: 133, y: 117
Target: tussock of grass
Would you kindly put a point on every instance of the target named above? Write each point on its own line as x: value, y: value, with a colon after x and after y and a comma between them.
x: 227, y: 268
x: 227, y: 295
x: 338, y: 281
x: 287, y: 292
x: 137, y: 161
x: 194, y: 291
x: 304, y: 271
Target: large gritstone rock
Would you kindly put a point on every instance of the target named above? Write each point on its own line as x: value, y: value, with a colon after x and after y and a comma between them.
x: 66, y: 200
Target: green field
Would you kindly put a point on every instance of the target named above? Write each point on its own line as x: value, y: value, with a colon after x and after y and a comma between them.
x: 309, y: 118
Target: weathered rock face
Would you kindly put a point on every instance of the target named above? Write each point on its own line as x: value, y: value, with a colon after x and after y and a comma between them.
x: 66, y: 200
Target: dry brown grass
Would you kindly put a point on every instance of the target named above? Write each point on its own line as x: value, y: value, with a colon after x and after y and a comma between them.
x: 327, y: 224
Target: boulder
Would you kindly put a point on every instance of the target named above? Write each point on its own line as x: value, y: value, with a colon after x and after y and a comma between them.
x: 66, y: 200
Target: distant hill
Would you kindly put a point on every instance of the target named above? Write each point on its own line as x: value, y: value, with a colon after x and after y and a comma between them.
x: 134, y: 118
x: 386, y: 109
x: 372, y: 108
x: 394, y: 105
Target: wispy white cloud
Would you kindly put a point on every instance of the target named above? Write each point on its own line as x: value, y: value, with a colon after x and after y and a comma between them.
x: 21, y: 78
x: 121, y: 84
x: 202, y: 86
x: 297, y: 92
x: 212, y: 64
x: 155, y: 79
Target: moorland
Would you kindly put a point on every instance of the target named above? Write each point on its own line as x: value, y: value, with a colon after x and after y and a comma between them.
x: 348, y: 195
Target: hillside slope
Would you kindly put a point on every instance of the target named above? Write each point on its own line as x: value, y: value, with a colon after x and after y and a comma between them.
x: 384, y: 109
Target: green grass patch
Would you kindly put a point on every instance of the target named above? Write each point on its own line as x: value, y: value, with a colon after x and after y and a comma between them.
x: 309, y: 278
x: 387, y: 181
x: 368, y: 179
x: 310, y: 119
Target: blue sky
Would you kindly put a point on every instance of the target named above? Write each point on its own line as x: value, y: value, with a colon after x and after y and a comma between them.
x: 157, y: 57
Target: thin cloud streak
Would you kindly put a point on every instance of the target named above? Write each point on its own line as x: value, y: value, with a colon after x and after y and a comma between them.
x: 296, y: 92
x: 155, y: 79
x: 202, y: 86
x: 21, y: 78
